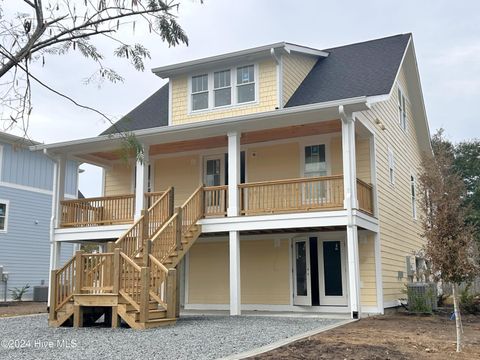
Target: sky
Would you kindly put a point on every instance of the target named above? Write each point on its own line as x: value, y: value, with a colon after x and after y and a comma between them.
x: 446, y: 37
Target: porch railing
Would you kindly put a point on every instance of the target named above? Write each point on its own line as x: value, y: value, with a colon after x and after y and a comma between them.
x: 365, y: 196
x: 97, y: 211
x: 303, y: 194
x: 215, y: 198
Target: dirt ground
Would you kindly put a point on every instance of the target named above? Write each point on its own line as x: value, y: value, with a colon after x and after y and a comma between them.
x: 12, y: 308
x: 396, y: 336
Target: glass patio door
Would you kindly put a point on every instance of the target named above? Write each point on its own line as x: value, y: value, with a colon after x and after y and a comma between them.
x: 315, y: 165
x: 333, y: 277
x: 301, y: 272
x: 213, y: 175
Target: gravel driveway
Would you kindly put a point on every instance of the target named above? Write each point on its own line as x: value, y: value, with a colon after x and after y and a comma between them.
x: 194, y: 337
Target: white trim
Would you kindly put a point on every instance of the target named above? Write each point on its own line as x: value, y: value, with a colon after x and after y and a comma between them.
x: 7, y: 210
x: 1, y: 161
x: 233, y: 173
x: 26, y: 188
x: 378, y: 271
x: 413, y: 197
x: 400, y: 67
x: 332, y: 300
x: 234, y: 267
x: 277, y: 221
x: 391, y: 165
x: 104, y: 179
x: 90, y: 233
x: 402, y: 102
x: 170, y: 103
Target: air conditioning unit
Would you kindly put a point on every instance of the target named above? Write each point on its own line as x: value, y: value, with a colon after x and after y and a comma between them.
x: 422, y: 297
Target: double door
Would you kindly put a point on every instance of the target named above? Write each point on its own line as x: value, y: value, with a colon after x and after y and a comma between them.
x: 319, y: 274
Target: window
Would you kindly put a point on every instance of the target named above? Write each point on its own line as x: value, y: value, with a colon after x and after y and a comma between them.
x: 402, y: 110
x: 222, y: 88
x: 391, y: 166
x: 3, y: 215
x: 200, y: 92
x: 245, y: 84
x: 315, y: 163
x: 414, y: 196
x: 234, y: 86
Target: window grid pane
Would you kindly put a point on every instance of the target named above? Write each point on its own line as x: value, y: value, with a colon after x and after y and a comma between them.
x: 223, y: 97
x: 246, y: 93
x: 245, y: 75
x: 199, y: 83
x: 221, y: 79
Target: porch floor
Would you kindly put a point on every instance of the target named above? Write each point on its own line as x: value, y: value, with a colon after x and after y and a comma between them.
x: 193, y: 337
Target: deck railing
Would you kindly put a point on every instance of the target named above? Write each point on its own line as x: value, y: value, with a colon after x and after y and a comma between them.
x: 215, y: 198
x: 97, y: 211
x: 62, y: 286
x: 365, y: 196
x: 96, y: 273
x: 303, y: 194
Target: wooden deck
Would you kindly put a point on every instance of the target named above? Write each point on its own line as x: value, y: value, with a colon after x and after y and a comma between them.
x: 256, y: 198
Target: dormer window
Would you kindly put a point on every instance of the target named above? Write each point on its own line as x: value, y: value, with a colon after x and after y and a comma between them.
x: 200, y: 92
x: 245, y: 84
x: 223, y: 88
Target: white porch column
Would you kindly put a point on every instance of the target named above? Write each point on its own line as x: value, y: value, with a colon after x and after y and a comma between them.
x: 141, y: 181
x: 235, y: 295
x: 233, y: 172
x: 378, y: 273
x: 349, y: 161
x: 350, y: 203
x: 353, y: 271
x: 59, y: 188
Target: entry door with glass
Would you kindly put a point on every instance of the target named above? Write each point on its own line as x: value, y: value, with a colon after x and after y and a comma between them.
x: 302, y: 286
x: 333, y: 273
x: 213, y: 175
x: 315, y: 164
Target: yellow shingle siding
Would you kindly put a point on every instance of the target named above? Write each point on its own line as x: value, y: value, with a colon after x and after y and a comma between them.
x: 399, y: 232
x: 295, y: 68
x: 267, y: 97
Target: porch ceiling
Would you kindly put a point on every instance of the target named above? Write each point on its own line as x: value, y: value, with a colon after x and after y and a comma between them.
x: 324, y: 127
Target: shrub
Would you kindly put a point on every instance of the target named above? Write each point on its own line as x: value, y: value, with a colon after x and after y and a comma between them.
x: 469, y: 302
x: 17, y: 293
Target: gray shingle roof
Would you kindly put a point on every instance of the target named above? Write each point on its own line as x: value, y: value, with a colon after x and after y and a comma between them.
x: 362, y: 69
x: 153, y: 112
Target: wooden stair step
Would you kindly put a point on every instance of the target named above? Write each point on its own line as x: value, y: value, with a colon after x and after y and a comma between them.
x: 159, y: 322
x: 152, y: 315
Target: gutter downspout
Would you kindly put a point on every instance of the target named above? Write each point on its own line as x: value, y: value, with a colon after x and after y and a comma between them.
x: 279, y: 61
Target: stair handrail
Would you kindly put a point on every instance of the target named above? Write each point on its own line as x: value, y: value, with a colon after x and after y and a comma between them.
x: 193, y: 209
x: 61, y: 293
x: 133, y: 240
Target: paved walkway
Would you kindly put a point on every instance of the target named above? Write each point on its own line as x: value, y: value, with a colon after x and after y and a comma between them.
x: 194, y: 337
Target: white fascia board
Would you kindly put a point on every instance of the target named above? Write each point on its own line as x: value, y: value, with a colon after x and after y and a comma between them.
x: 279, y: 221
x: 365, y: 221
x: 234, y: 123
x: 91, y: 233
x: 305, y: 50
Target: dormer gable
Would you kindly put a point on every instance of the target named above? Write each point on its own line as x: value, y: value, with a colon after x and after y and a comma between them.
x: 244, y: 82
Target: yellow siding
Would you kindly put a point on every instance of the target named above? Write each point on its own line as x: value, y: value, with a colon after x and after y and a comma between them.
x: 119, y: 180
x: 336, y: 162
x: 295, y: 68
x: 273, y: 162
x: 368, y: 290
x: 264, y: 274
x: 362, y: 151
x: 399, y: 232
x: 267, y: 98
x: 183, y: 173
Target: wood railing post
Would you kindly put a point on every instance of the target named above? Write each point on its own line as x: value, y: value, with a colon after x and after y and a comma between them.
x: 171, y: 202
x: 201, y: 202
x: 78, y: 271
x: 178, y: 228
x: 144, y: 293
x: 147, y: 250
x: 53, y: 295
x: 171, y: 293
x: 116, y: 271
x: 110, y: 246
x: 145, y: 227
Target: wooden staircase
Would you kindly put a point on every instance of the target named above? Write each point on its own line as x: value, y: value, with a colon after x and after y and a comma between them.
x: 136, y: 279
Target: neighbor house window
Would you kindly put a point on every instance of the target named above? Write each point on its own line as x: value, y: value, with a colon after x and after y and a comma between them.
x: 245, y: 84
x: 200, y: 92
x: 222, y: 88
x: 391, y: 166
x: 3, y: 215
x: 413, y: 191
x: 402, y: 110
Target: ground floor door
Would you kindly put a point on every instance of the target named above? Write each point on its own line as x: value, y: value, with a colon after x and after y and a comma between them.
x: 333, y: 272
x: 302, y: 288
x: 319, y: 272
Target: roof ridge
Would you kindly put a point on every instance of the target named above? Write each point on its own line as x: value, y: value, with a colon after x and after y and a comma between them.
x: 369, y: 41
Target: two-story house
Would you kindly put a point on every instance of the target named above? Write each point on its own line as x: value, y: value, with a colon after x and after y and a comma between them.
x: 278, y: 178
x: 26, y: 190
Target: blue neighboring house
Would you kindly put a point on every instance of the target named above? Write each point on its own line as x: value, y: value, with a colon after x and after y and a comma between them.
x: 26, y: 190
